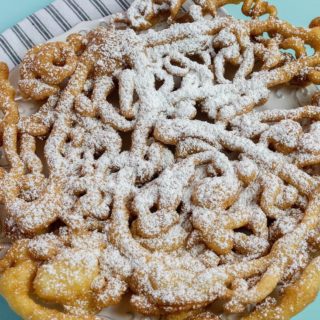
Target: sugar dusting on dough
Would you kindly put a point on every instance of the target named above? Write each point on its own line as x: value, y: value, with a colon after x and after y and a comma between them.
x: 190, y: 209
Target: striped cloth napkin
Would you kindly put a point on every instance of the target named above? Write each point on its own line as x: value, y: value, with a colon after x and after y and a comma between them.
x: 55, y: 19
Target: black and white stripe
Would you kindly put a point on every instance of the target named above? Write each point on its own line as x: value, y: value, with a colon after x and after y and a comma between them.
x: 60, y: 16
x: 40, y: 27
x: 23, y: 37
x: 123, y: 4
x: 101, y: 7
x: 8, y: 49
x: 74, y: 6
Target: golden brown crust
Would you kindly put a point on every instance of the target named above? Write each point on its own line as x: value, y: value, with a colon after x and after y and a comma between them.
x: 294, y: 298
x: 15, y: 285
x: 45, y: 67
x: 187, y: 213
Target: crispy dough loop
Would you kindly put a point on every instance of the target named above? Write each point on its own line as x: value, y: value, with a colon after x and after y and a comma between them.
x: 302, y: 146
x: 8, y: 124
x: 45, y: 67
x: 23, y: 185
x: 294, y: 298
x: 143, y: 14
x: 7, y: 104
x: 78, y: 42
x: 257, y: 8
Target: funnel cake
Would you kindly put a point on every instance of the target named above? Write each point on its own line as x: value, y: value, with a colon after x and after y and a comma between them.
x: 159, y: 179
x: 182, y: 72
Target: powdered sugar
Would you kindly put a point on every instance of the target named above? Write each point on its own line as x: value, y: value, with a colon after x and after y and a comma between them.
x: 178, y: 228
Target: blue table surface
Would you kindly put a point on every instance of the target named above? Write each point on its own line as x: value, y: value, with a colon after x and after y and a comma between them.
x: 296, y: 11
